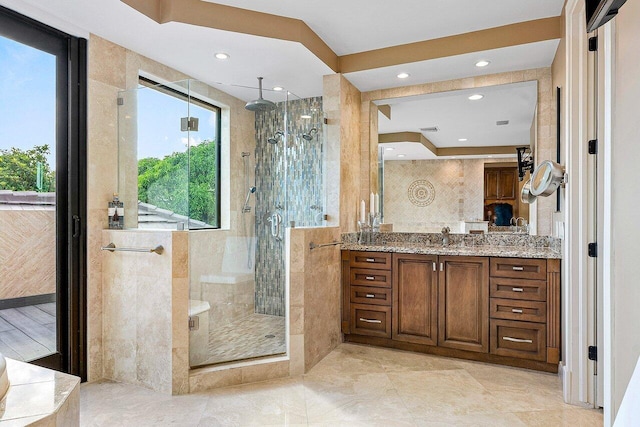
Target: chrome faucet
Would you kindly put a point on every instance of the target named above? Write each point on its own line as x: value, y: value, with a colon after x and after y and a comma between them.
x: 445, y: 236
x: 524, y: 225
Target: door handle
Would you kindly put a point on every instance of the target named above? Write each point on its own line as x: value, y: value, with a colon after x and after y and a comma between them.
x: 77, y: 226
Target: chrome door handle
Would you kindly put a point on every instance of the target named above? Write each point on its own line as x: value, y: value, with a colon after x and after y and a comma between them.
x: 434, y: 266
x: 441, y: 266
x: 517, y: 340
x: 362, y: 319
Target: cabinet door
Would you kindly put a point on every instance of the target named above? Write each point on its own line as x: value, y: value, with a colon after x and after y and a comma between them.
x: 463, y: 309
x: 507, y: 184
x: 491, y: 184
x: 415, y: 298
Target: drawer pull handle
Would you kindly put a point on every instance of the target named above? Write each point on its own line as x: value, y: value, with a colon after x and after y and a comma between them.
x: 514, y: 339
x: 370, y: 278
x: 362, y: 319
x: 371, y: 295
x: 371, y: 260
x: 517, y: 268
x: 517, y: 289
x: 434, y: 266
x: 516, y: 310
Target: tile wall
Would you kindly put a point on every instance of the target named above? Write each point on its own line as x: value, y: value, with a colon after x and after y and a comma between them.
x: 289, y: 181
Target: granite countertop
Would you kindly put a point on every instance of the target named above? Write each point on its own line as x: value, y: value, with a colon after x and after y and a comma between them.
x: 456, y: 249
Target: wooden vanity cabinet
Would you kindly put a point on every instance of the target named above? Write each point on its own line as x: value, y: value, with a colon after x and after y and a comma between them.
x: 415, y: 298
x: 367, y: 298
x: 463, y: 312
x: 492, y: 309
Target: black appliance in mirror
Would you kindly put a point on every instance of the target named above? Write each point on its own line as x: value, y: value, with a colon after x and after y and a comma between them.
x: 599, y: 12
x: 525, y: 161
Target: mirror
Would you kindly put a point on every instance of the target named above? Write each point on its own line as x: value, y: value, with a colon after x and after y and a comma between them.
x: 546, y: 179
x: 449, y: 159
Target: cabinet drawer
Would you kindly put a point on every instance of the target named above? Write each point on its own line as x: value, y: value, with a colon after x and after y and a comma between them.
x: 523, y: 340
x: 519, y: 268
x: 375, y: 260
x: 529, y: 311
x: 521, y: 289
x: 371, y: 320
x: 368, y: 295
x: 375, y: 278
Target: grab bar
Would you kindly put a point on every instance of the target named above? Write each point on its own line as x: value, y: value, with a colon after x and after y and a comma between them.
x: 111, y: 247
x: 322, y: 245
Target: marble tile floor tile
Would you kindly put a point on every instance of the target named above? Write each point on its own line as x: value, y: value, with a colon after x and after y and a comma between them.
x: 256, y: 335
x: 353, y: 386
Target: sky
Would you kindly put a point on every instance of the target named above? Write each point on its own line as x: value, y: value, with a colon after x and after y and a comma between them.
x: 27, y: 108
x: 27, y: 97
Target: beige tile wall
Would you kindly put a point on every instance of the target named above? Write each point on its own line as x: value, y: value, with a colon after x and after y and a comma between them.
x: 459, y: 193
x: 342, y: 106
x: 27, y: 255
x: 315, y: 296
x: 545, y: 148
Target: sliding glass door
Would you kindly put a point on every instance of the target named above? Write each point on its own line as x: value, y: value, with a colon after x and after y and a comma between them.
x: 42, y: 188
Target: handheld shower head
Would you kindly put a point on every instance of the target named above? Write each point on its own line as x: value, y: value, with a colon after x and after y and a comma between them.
x: 309, y: 135
x: 276, y: 137
x: 246, y: 207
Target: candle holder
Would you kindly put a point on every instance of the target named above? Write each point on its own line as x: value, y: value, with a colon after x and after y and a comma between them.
x: 375, y: 221
x: 364, y: 229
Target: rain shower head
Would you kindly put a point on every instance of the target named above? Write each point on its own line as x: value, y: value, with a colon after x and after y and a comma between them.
x: 260, y: 104
x: 276, y: 137
x: 309, y: 135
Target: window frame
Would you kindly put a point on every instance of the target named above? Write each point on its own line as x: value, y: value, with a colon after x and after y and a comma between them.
x: 191, y: 99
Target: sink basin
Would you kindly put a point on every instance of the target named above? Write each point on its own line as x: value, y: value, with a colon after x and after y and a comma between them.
x: 4, y: 380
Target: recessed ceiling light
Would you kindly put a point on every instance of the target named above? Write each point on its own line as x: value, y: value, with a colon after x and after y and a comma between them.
x: 222, y: 55
x: 476, y: 97
x: 483, y: 63
x: 462, y: 139
x: 403, y: 75
x: 389, y: 149
x: 305, y: 116
x: 401, y: 155
x: 278, y: 88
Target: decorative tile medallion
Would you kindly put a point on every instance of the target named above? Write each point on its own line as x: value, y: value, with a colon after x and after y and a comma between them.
x: 421, y: 192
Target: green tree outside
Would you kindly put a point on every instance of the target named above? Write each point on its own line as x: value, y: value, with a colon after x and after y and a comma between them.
x: 184, y: 183
x: 26, y: 170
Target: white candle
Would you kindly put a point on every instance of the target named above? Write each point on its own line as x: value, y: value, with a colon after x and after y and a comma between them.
x: 372, y: 204
x: 362, y: 211
x: 377, y: 203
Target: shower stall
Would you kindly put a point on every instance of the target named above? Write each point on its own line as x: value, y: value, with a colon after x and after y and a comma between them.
x: 266, y: 163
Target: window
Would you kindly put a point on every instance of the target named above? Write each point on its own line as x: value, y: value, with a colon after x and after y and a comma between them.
x: 178, y: 153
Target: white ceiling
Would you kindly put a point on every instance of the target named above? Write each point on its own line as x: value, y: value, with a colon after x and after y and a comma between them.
x: 457, y: 117
x: 350, y: 26
x: 346, y: 26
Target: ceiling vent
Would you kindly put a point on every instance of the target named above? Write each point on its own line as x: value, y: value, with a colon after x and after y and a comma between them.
x: 502, y: 122
x: 430, y: 129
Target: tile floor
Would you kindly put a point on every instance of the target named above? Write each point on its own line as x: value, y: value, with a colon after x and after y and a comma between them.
x: 28, y: 333
x: 353, y: 386
x: 252, y: 336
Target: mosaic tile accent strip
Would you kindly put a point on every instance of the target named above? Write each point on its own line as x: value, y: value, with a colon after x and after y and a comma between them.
x: 290, y: 188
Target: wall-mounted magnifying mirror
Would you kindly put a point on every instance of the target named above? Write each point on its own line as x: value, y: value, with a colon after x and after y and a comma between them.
x: 546, y: 179
x: 525, y: 193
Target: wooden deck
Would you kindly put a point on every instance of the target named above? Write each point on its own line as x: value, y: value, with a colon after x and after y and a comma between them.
x: 28, y: 333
